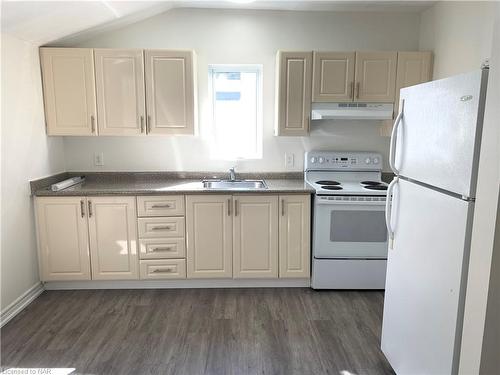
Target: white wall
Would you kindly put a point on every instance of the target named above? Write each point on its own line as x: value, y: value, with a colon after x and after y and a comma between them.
x: 459, y: 33
x: 26, y: 153
x: 484, y: 218
x: 230, y: 36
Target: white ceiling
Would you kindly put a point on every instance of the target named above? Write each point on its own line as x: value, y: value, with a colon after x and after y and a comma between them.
x: 41, y: 22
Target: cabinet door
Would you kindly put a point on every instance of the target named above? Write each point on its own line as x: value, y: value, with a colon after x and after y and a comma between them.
x: 113, y: 238
x: 121, y: 107
x: 63, y: 248
x: 295, y: 236
x: 333, y: 76
x: 255, y: 236
x: 170, y: 92
x: 209, y: 224
x: 69, y: 91
x: 293, y: 93
x: 375, y: 77
x: 413, y: 68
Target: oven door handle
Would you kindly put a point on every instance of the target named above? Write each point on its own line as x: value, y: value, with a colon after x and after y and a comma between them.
x: 388, y: 209
x: 350, y: 203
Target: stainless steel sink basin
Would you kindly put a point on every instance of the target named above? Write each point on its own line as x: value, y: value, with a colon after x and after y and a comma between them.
x: 235, y: 185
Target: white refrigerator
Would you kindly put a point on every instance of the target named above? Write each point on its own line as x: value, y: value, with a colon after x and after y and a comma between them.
x: 434, y: 153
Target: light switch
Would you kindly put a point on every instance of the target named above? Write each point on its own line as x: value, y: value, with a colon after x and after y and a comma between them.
x: 99, y: 159
x: 289, y: 160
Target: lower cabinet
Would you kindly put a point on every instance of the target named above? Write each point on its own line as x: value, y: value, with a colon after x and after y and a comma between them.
x: 295, y: 236
x: 77, y: 235
x: 213, y: 236
x: 255, y: 236
x: 113, y: 238
x: 63, y: 242
x: 209, y: 224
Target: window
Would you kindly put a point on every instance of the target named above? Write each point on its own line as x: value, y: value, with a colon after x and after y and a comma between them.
x: 236, y: 102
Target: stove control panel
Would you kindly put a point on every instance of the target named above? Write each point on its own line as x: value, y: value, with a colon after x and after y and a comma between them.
x: 327, y: 160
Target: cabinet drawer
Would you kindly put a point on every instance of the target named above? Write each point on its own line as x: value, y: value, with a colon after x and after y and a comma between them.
x: 163, y: 269
x: 172, y: 205
x: 161, y: 227
x: 159, y: 248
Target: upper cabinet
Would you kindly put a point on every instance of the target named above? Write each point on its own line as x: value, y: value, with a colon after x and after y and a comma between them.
x: 413, y: 68
x: 293, y: 93
x: 119, y: 78
x: 170, y: 92
x: 375, y: 77
x: 333, y: 76
x: 136, y: 94
x: 69, y: 91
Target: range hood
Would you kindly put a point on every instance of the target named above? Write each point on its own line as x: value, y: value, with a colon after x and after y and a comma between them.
x: 352, y: 111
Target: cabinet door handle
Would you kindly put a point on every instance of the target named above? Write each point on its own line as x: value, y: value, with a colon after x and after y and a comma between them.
x: 82, y: 208
x: 236, y: 207
x: 163, y: 270
x: 162, y: 227
x: 282, y: 207
x: 165, y: 248
x: 229, y: 207
x: 142, y: 124
x: 148, y: 124
x: 92, y: 123
x: 351, y: 93
x: 160, y: 206
x: 90, y: 208
x: 357, y: 90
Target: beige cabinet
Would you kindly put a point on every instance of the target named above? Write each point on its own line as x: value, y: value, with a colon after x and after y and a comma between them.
x: 375, y: 77
x: 170, y: 91
x: 121, y: 107
x: 255, y: 236
x: 63, y: 244
x: 293, y: 93
x: 209, y: 224
x: 113, y: 238
x: 294, y: 236
x: 69, y: 91
x: 333, y: 76
x: 413, y: 68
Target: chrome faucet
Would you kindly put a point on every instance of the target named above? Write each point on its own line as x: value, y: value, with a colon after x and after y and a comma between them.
x: 232, y: 174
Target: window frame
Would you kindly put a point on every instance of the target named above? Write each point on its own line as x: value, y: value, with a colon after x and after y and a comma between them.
x: 237, y: 68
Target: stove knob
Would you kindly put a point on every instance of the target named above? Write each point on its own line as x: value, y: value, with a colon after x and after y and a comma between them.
x: 321, y: 160
x: 313, y: 160
x: 375, y: 160
x: 368, y: 160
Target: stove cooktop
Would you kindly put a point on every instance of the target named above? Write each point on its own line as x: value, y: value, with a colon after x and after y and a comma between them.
x: 346, y: 183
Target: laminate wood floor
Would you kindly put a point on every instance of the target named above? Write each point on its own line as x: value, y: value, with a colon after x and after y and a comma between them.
x: 199, y: 331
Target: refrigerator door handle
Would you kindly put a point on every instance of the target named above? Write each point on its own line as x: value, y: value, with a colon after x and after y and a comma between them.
x: 392, y: 151
x: 388, y: 208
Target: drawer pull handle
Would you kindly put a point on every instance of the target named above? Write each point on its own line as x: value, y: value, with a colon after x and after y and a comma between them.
x: 160, y: 206
x: 161, y: 249
x: 163, y: 227
x: 163, y: 270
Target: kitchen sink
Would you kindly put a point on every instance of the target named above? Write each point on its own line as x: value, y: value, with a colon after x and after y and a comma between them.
x: 235, y: 184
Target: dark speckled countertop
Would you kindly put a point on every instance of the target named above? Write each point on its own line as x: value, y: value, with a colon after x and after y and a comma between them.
x: 165, y: 183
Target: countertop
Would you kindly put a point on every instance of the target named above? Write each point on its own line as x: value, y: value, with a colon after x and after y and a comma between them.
x: 137, y: 184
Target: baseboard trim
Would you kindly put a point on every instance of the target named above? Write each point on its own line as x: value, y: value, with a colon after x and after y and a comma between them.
x: 20, y: 303
x: 178, y: 284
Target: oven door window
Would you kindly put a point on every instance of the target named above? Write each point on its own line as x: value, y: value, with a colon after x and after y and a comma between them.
x: 357, y: 226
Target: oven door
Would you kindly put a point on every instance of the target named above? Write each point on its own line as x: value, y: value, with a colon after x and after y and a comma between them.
x: 349, y: 227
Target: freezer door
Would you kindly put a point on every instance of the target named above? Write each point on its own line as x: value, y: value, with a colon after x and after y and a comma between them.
x: 437, y: 140
x: 425, y: 280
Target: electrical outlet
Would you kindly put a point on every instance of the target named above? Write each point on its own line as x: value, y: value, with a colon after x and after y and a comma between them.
x: 98, y: 159
x: 289, y: 160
